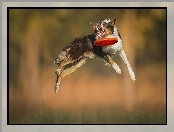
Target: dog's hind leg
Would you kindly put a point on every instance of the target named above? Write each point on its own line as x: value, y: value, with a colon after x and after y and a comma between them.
x: 71, y: 69
x: 124, y: 58
x: 112, y: 63
x: 57, y: 80
x: 68, y: 71
x: 60, y: 60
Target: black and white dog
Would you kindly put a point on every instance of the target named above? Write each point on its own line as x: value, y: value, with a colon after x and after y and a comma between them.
x: 78, y: 51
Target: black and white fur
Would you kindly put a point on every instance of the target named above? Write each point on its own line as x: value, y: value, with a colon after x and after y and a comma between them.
x: 78, y: 51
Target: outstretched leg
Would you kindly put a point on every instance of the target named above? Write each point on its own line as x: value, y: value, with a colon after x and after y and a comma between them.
x: 67, y: 71
x: 112, y: 63
x: 124, y: 58
x: 61, y: 60
x: 57, y: 80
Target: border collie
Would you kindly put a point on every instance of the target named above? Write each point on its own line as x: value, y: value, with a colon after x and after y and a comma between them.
x: 78, y: 51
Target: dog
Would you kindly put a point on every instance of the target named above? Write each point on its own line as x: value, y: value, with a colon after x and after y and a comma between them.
x: 78, y: 51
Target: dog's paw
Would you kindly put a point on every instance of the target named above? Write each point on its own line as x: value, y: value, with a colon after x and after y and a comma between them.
x: 56, y: 88
x: 119, y: 71
x: 133, y: 78
x: 132, y: 75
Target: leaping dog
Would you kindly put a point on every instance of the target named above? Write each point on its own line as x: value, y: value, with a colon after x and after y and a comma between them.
x: 78, y: 51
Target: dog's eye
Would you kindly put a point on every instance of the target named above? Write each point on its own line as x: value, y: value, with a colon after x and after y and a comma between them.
x: 107, y: 26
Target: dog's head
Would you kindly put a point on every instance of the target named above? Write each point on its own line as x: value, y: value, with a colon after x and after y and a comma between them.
x: 104, y: 28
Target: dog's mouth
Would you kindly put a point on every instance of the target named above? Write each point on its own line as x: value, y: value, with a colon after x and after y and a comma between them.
x: 100, y: 34
x: 99, y: 31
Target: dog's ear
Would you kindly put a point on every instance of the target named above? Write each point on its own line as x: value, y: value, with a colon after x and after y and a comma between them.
x: 92, y: 25
x: 113, y: 22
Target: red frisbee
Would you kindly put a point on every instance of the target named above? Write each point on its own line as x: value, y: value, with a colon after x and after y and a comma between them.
x: 105, y: 41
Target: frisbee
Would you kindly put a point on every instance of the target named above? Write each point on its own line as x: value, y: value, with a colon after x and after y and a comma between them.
x: 105, y: 41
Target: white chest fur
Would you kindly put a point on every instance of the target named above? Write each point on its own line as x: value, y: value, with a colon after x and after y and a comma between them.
x: 115, y: 48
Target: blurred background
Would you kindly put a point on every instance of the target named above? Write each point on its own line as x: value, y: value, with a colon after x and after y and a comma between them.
x: 94, y: 93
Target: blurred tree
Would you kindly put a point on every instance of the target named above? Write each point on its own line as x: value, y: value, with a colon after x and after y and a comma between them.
x: 151, y: 36
x: 29, y: 62
x: 17, y: 19
x: 128, y: 33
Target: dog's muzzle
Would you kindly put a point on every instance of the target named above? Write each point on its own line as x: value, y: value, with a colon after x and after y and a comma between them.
x: 100, y: 32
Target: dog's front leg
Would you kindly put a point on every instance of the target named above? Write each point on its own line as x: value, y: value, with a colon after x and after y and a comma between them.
x: 124, y: 58
x: 112, y: 63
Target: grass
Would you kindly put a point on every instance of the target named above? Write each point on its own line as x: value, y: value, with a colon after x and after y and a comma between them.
x: 86, y: 117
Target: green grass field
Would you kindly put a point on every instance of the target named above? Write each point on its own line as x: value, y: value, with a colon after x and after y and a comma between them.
x: 86, y: 117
